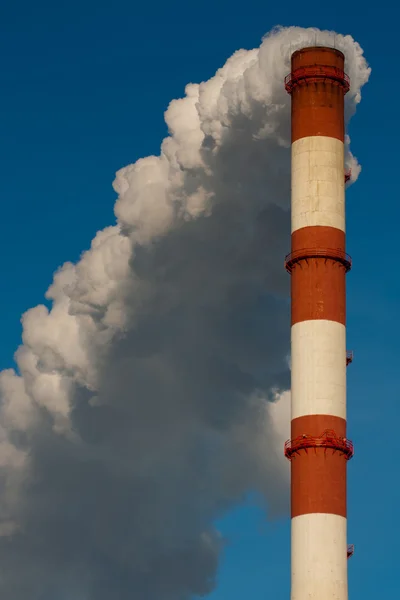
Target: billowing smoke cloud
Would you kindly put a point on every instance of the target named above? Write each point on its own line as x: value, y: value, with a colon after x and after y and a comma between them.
x: 145, y: 404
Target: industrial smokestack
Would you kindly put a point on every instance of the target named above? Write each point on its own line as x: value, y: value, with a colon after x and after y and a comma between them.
x: 140, y: 411
x: 318, y: 263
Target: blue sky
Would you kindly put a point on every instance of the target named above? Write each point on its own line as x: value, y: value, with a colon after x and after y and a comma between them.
x: 84, y: 88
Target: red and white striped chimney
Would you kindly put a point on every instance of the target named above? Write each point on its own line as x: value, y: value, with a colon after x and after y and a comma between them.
x: 318, y: 263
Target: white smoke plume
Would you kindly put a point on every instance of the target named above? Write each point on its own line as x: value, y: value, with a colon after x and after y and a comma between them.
x: 145, y: 402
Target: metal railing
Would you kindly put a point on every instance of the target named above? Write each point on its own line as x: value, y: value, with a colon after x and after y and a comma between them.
x: 328, y: 253
x: 315, y: 74
x: 327, y: 440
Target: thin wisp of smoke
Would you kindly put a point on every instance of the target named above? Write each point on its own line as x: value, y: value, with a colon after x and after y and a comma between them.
x: 153, y: 396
